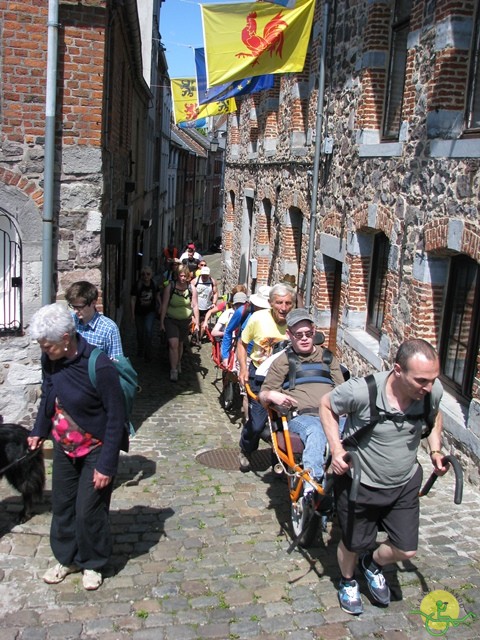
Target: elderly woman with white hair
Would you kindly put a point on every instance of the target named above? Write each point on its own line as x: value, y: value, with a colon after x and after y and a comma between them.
x: 87, y: 426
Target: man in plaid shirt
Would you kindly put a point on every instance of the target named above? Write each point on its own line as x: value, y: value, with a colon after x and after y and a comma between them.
x: 96, y: 328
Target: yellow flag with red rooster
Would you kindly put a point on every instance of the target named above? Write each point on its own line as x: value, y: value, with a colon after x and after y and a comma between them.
x: 255, y: 38
x: 185, y: 102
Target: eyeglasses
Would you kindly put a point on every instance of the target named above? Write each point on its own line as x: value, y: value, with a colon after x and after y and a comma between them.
x: 77, y: 307
x: 202, y: 264
x: 303, y: 334
x: 146, y: 273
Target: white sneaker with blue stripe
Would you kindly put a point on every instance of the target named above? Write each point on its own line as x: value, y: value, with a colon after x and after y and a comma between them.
x: 349, y: 597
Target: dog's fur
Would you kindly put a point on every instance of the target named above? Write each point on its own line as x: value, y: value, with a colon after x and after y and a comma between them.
x: 26, y: 476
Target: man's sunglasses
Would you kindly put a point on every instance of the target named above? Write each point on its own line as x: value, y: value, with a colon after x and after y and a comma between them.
x: 300, y: 334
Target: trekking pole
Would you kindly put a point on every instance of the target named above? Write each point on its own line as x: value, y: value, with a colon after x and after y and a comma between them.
x: 352, y: 458
x: 458, y: 495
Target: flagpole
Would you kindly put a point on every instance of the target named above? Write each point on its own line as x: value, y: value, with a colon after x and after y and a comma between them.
x: 316, y: 161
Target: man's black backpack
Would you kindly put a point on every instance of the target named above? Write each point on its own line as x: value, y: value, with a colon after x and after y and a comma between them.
x: 376, y: 416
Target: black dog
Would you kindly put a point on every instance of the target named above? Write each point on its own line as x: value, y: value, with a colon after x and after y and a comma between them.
x: 24, y: 469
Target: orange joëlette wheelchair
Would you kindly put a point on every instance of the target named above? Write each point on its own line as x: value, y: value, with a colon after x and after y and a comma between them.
x: 307, y: 510
x: 307, y: 513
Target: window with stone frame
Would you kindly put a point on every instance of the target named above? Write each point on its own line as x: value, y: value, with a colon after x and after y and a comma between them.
x: 377, y: 290
x: 293, y: 242
x: 395, y: 85
x: 473, y: 93
x: 459, y: 342
x: 10, y: 277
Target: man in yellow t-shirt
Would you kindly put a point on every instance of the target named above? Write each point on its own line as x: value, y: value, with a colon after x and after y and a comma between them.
x: 265, y: 328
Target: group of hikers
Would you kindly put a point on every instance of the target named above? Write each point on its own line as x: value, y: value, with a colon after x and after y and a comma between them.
x: 279, y: 357
x: 382, y: 417
x: 180, y: 297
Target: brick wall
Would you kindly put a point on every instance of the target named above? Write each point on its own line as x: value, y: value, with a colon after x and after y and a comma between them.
x: 426, y: 301
x: 82, y: 53
x: 449, y: 78
x: 369, y: 114
x: 358, y: 274
x: 24, y: 56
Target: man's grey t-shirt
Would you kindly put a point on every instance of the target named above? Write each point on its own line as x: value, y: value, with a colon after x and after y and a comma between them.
x: 387, y: 451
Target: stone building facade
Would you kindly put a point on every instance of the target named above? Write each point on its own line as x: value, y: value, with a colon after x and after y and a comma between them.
x: 194, y: 189
x: 395, y: 239
x: 107, y: 153
x: 189, y: 160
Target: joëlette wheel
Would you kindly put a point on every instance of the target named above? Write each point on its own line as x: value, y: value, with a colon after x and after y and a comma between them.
x: 304, y: 521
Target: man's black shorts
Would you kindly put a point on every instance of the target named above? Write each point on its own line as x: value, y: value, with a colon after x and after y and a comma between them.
x: 395, y: 511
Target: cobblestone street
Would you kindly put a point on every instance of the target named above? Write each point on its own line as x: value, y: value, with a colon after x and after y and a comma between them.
x: 201, y: 552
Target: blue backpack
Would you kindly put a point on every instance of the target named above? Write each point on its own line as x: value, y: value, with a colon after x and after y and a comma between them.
x: 128, y: 381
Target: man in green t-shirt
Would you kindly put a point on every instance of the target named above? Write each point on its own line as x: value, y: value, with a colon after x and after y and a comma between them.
x: 390, y: 474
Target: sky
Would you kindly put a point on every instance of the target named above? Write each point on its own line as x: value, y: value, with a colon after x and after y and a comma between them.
x: 181, y: 32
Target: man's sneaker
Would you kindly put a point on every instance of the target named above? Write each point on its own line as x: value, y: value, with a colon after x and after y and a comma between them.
x: 58, y: 573
x: 244, y: 460
x: 173, y: 375
x: 91, y: 579
x: 375, y: 581
x: 349, y: 597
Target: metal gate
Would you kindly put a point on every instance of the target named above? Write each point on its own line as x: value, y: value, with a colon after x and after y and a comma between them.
x: 10, y: 277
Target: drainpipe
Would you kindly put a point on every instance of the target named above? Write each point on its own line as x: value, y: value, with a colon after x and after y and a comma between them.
x: 316, y: 162
x: 49, y: 169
